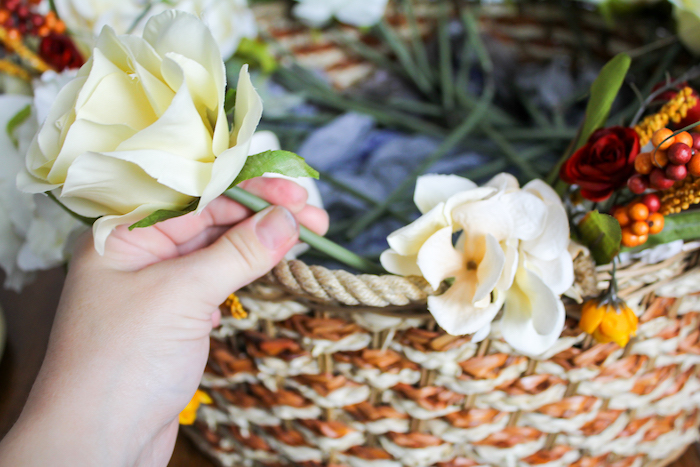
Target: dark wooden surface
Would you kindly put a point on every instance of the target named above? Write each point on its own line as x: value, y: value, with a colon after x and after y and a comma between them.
x: 29, y: 316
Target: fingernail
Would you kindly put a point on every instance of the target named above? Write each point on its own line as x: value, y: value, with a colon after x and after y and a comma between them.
x: 275, y: 227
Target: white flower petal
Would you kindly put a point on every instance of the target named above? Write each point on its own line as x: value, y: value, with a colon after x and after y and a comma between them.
x: 554, y: 239
x: 433, y: 189
x: 543, y: 191
x: 465, y: 197
x: 438, y: 259
x: 106, y: 224
x: 504, y: 182
x: 453, y: 312
x: 529, y: 214
x: 510, y: 266
x: 409, y: 239
x: 481, y: 334
x: 490, y: 268
x: 487, y: 216
x: 400, y: 264
x: 558, y: 273
x: 519, y: 332
x: 361, y: 13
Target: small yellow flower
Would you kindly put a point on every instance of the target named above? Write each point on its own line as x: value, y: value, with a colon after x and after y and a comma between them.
x: 608, y: 321
x: 189, y: 413
x: 235, y: 308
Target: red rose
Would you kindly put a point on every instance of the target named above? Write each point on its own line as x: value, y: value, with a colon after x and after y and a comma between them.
x: 59, y: 51
x: 604, y: 163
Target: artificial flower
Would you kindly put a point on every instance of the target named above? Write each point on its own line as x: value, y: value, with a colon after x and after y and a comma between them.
x: 143, y: 128
x: 60, y: 52
x: 687, y: 14
x: 604, y: 163
x: 608, y: 321
x: 511, y: 249
x: 317, y: 13
x: 229, y: 20
x: 36, y: 232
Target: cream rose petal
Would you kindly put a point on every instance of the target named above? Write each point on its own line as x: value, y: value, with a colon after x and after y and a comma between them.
x: 485, y: 216
x: 400, y: 264
x: 554, y: 238
x: 121, y: 185
x: 433, y: 189
x: 409, y: 239
x: 106, y: 224
x: 503, y: 182
x: 247, y: 114
x: 511, y: 265
x: 438, y: 259
x: 543, y: 191
x: 454, y: 313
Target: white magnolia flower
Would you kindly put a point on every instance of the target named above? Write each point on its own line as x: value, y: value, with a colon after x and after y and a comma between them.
x: 511, y: 249
x: 359, y: 13
x: 687, y: 13
x: 35, y: 232
x: 229, y: 20
x: 143, y: 128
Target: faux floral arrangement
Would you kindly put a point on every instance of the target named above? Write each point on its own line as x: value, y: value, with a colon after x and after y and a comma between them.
x: 143, y: 129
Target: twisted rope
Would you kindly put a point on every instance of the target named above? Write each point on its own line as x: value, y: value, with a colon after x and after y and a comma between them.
x: 342, y: 287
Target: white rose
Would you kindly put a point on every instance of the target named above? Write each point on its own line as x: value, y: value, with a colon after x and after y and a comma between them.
x: 142, y: 128
x: 229, y: 20
x: 359, y: 13
x: 34, y: 231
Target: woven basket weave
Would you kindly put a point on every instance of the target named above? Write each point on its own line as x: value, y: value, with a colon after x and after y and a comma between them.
x: 330, y: 368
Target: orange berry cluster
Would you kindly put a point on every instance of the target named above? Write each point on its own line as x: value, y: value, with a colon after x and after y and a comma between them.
x: 671, y: 160
x: 18, y: 18
x: 639, y: 219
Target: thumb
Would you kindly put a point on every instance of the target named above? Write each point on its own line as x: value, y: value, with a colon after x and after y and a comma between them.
x: 242, y: 254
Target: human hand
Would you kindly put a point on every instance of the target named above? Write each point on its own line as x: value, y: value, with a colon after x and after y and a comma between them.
x: 131, y: 334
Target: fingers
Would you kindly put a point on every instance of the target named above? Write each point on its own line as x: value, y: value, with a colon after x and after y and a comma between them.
x: 314, y: 219
x: 241, y: 255
x: 278, y: 191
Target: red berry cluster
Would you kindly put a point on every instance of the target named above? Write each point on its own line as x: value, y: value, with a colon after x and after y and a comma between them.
x: 639, y: 219
x: 671, y: 160
x: 19, y: 19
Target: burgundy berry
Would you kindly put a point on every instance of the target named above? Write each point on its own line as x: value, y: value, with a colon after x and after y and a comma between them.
x: 637, y: 184
x: 652, y: 202
x: 679, y: 153
x: 658, y: 180
x: 676, y: 171
x: 696, y: 140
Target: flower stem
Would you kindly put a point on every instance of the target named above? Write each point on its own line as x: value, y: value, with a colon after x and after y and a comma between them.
x: 322, y: 244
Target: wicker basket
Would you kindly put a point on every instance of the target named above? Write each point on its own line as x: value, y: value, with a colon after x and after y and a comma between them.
x: 330, y: 368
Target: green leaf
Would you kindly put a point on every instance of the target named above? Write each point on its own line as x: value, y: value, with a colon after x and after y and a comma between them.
x: 16, y: 120
x: 257, y: 52
x: 602, y: 234
x: 682, y: 226
x: 163, y: 215
x: 230, y: 101
x: 279, y: 162
x: 603, y: 92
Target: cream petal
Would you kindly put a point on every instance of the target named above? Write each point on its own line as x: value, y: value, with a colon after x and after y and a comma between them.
x: 465, y: 197
x: 105, y: 225
x: 481, y: 334
x: 179, y: 131
x: 433, y: 189
x: 183, y: 175
x: 85, y: 136
x: 438, y: 259
x: 399, y: 264
x: 189, y: 36
x: 102, y: 64
x: 198, y: 79
x: 519, y: 332
x: 121, y: 185
x: 225, y: 169
x: 485, y: 216
x: 511, y: 265
x: 454, y: 313
x: 410, y: 238
x: 543, y: 191
x: 50, y: 137
x: 554, y: 239
x: 558, y: 273
x: 503, y: 182
x: 248, y: 109
x: 531, y: 296
x: 490, y: 268
x: 264, y: 141
x: 529, y: 214
x: 125, y: 99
